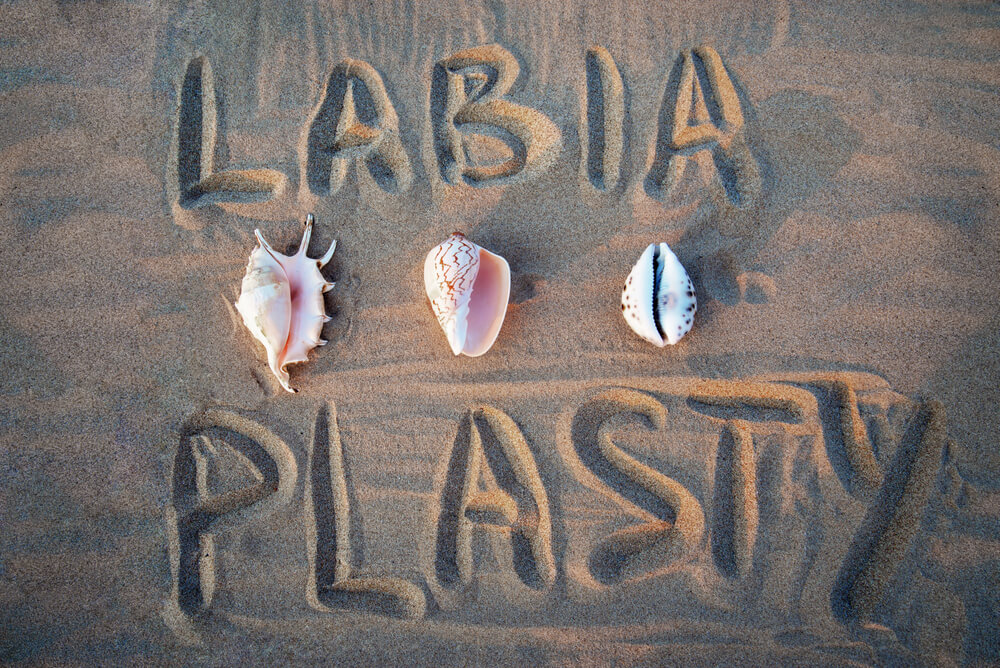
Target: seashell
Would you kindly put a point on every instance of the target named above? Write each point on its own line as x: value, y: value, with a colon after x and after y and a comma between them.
x: 468, y: 287
x: 281, y: 301
x: 658, y: 301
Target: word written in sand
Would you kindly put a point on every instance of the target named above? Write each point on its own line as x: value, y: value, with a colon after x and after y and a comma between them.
x: 850, y: 449
x: 480, y: 137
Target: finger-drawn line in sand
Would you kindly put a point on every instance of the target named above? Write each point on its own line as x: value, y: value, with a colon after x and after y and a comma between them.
x: 355, y: 121
x: 893, y: 518
x: 493, y: 486
x: 604, y: 120
x: 749, y: 400
x: 328, y: 536
x: 691, y: 121
x: 466, y: 108
x: 858, y: 448
x: 743, y: 408
x: 197, y: 514
x: 734, y: 504
x: 675, y: 521
x: 194, y: 182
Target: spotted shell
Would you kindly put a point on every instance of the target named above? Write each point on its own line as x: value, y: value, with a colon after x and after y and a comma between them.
x: 281, y: 302
x: 658, y: 300
x: 468, y: 288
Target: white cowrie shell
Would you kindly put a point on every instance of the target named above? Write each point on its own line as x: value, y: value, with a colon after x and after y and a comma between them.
x: 658, y: 301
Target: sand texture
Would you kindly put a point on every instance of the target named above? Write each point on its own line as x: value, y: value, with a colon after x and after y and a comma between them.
x: 810, y: 477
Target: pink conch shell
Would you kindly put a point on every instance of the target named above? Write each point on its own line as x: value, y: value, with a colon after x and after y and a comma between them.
x: 468, y: 287
x: 281, y: 301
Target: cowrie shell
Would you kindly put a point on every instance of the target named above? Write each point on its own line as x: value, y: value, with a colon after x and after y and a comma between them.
x: 658, y: 300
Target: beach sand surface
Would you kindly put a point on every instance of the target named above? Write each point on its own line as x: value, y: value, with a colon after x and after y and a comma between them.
x: 810, y: 477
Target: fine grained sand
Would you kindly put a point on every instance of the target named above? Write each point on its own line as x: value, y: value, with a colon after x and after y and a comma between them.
x: 809, y: 477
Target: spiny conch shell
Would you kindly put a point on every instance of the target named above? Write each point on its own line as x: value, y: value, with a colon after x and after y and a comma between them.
x: 658, y: 301
x: 281, y: 301
x: 468, y: 287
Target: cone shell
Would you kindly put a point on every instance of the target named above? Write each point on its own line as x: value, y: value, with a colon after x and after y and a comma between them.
x: 468, y: 288
x: 658, y: 301
x: 281, y: 302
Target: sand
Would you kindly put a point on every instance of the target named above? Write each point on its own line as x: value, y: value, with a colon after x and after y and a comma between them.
x: 810, y: 477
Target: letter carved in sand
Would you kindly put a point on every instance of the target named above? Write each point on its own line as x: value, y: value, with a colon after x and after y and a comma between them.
x: 198, y: 512
x: 494, y: 491
x: 701, y: 112
x: 674, y: 519
x: 355, y: 120
x: 328, y: 543
x: 602, y: 135
x: 466, y: 98
x: 194, y: 181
